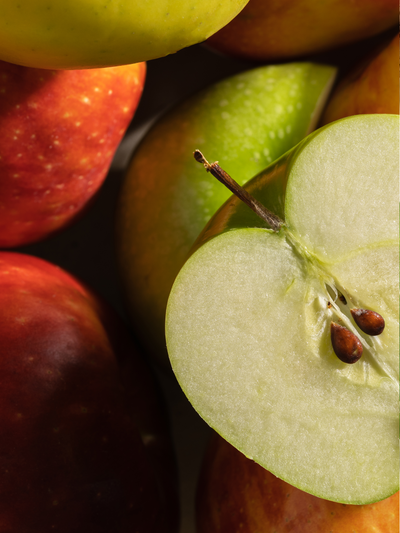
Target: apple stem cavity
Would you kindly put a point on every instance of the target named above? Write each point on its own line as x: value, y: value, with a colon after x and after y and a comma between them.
x: 268, y: 216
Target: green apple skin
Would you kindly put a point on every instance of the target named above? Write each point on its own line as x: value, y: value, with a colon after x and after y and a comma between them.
x: 236, y: 494
x: 372, y: 87
x: 97, y: 33
x: 196, y: 344
x: 85, y: 439
x: 268, y: 30
x: 58, y: 134
x: 248, y: 120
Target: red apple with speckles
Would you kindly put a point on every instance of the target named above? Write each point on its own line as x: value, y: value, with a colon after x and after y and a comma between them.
x: 85, y: 443
x: 236, y: 495
x: 59, y: 131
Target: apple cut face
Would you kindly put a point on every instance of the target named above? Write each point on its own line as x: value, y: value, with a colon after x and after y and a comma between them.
x: 249, y: 317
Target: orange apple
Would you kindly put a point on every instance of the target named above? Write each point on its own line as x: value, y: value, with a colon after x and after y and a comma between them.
x: 373, y: 87
x: 237, y: 495
x: 59, y: 131
x: 277, y: 29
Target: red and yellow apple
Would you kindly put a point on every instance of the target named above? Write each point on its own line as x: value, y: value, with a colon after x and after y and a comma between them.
x: 236, y: 495
x: 85, y: 443
x: 372, y: 87
x: 278, y: 29
x: 59, y: 131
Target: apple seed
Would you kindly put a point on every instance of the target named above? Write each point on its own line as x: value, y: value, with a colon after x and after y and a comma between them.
x: 368, y: 321
x: 346, y: 345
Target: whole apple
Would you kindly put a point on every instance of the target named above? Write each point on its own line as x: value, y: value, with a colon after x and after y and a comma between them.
x: 236, y: 494
x: 248, y: 119
x: 97, y: 33
x: 85, y: 443
x: 278, y: 29
x: 58, y: 134
x: 371, y: 87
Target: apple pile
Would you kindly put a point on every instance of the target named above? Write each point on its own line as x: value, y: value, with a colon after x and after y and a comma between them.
x: 276, y: 307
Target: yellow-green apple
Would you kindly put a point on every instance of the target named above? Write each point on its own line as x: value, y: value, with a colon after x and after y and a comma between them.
x: 268, y: 316
x: 250, y: 119
x: 236, y: 494
x: 59, y: 131
x: 373, y: 87
x: 85, y: 443
x: 98, y: 33
x: 278, y: 29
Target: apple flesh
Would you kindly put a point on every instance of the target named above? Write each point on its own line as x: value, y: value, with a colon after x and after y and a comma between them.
x: 85, y: 444
x: 97, y: 33
x: 249, y: 315
x: 58, y: 134
x: 268, y: 30
x: 236, y: 494
x: 165, y: 201
x: 373, y: 87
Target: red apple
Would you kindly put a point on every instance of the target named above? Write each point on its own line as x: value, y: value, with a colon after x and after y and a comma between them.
x: 371, y: 87
x: 59, y: 131
x: 237, y: 495
x: 84, y: 440
x: 277, y: 29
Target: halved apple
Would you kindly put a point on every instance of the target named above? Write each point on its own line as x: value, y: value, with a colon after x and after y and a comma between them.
x: 249, y: 317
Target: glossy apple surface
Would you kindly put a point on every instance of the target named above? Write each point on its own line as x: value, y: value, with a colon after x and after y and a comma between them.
x: 278, y: 29
x: 236, y: 494
x: 85, y: 442
x: 250, y: 315
x: 249, y: 120
x: 58, y: 134
x: 372, y: 87
x: 97, y: 33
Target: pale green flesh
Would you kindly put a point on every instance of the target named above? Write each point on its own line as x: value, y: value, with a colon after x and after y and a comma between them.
x: 248, y: 334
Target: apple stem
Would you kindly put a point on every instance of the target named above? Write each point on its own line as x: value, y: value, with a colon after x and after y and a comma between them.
x: 272, y: 220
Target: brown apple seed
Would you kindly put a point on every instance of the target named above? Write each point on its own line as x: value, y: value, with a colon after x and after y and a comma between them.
x: 368, y: 321
x: 346, y: 345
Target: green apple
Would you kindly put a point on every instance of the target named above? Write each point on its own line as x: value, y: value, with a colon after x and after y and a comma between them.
x: 268, y: 30
x: 236, y: 494
x: 165, y: 201
x: 249, y: 319
x: 371, y: 87
x: 99, y: 33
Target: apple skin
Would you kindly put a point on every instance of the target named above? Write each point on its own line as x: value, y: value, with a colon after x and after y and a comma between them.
x: 373, y: 87
x: 58, y: 134
x: 85, y: 440
x: 236, y: 494
x: 98, y: 33
x: 268, y: 30
x: 166, y: 199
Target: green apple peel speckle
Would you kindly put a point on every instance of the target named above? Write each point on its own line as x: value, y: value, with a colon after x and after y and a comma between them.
x: 249, y: 316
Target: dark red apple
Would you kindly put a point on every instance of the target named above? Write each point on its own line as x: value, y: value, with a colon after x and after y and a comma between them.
x: 59, y: 131
x: 84, y: 439
x: 236, y: 495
